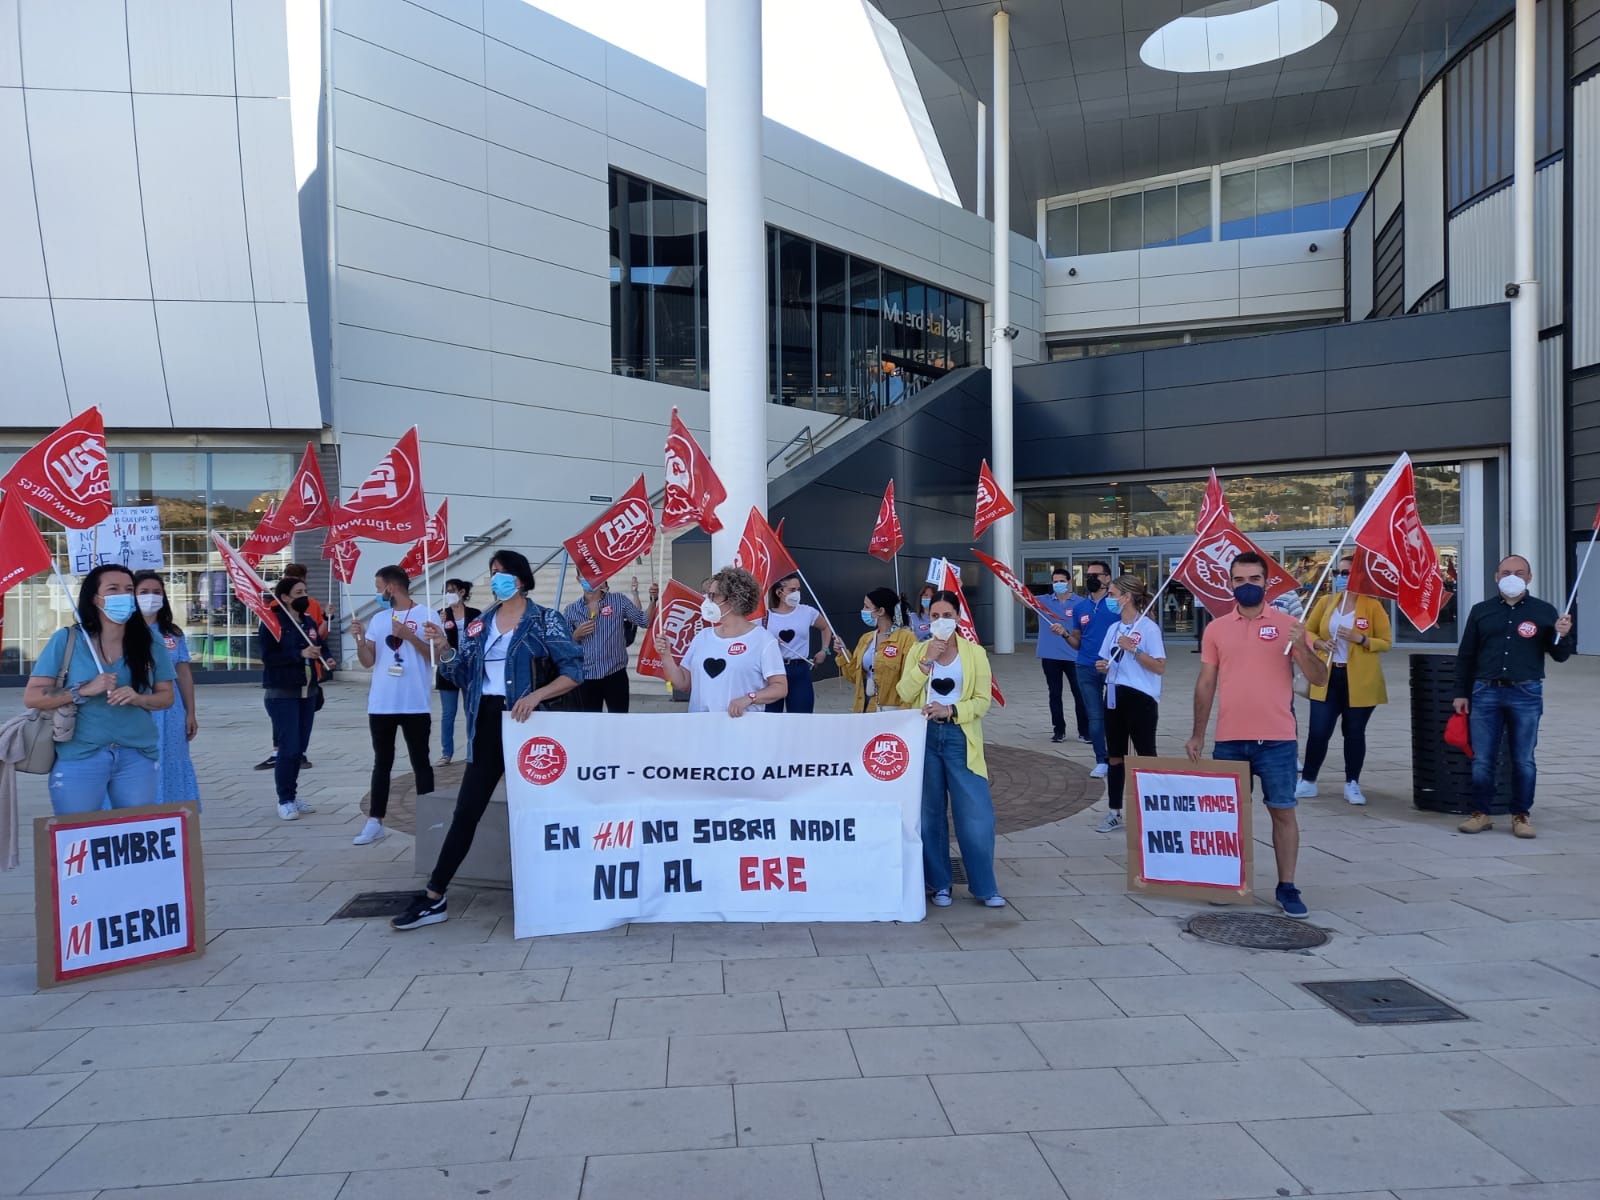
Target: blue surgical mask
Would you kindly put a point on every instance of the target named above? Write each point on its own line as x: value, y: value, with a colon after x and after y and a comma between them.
x: 1113, y: 605
x: 867, y: 618
x: 1249, y: 595
x: 586, y: 585
x: 927, y: 602
x: 1340, y: 583
x: 502, y: 585
x: 383, y: 600
x: 1060, y: 587
x: 119, y: 608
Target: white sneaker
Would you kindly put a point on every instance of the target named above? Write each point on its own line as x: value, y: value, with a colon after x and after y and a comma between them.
x: 288, y: 812
x: 1099, y: 771
x: 1352, y: 793
x: 1306, y: 789
x: 1111, y: 822
x: 372, y: 831
x: 304, y: 809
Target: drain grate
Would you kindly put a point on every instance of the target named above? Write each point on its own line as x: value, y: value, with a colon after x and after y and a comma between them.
x: 958, y: 871
x: 365, y: 905
x: 1256, y: 931
x: 1384, y: 1002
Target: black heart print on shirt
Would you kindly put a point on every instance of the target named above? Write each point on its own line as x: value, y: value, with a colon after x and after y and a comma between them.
x: 944, y: 686
x: 715, y: 666
x: 786, y: 635
x: 393, y: 641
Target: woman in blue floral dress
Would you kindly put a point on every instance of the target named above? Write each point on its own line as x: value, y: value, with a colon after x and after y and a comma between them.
x: 177, y: 725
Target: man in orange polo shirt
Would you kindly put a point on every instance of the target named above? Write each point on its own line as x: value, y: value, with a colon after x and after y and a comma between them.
x: 1243, y: 666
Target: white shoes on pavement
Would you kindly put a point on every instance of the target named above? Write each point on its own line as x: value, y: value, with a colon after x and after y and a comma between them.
x: 1306, y: 789
x: 372, y: 831
x: 1352, y: 793
x: 289, y: 812
x: 1111, y: 822
x: 1099, y: 771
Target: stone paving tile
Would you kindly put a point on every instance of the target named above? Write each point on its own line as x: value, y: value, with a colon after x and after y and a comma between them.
x: 857, y: 1008
x: 303, y: 965
x: 1509, y: 1191
x: 734, y: 942
x: 1164, y: 994
x: 27, y: 1051
x: 484, y: 988
x: 190, y: 1150
x: 1021, y: 934
x: 21, y: 1013
x: 24, y: 1097
x: 416, y: 1135
x: 289, y: 940
x: 145, y: 1006
x: 1035, y: 1000
x: 958, y: 966
x: 1295, y: 1034
x: 359, y: 1079
x: 1264, y: 1089
x: 944, y: 1049
x: 648, y: 979
x: 672, y: 1016
x: 882, y: 938
x: 1096, y: 962
x: 412, y: 960
x: 1507, y: 1024
x: 330, y: 1036
x: 1394, y: 1150
x: 521, y: 1024
x: 798, y: 974
x: 1025, y: 1101
x: 1195, y: 1162
x: 185, y: 1043
x: 1571, y: 1072
x: 1431, y: 1082
x: 940, y: 1168
x: 1552, y: 1144
x: 1123, y: 1041
x: 1499, y: 981
x: 25, y: 1154
x: 282, y: 1187
x: 623, y: 1064
x: 761, y: 1057
x: 660, y: 1119
x: 836, y: 1110
x: 307, y: 998
x: 546, y: 1179
x: 768, y: 1172
x: 600, y: 950
x: 151, y: 1093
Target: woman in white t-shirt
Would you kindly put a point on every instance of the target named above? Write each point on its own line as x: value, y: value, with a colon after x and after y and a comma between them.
x: 733, y: 665
x: 1132, y: 658
x: 791, y: 623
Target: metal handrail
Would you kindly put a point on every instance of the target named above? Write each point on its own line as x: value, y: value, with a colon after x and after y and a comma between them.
x: 823, y: 438
x: 804, y: 433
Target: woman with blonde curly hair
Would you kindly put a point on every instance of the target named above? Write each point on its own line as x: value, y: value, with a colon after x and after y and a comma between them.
x: 733, y: 665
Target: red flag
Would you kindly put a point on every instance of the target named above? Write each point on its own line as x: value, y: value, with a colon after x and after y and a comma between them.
x: 22, y: 549
x: 1212, y: 505
x: 887, y: 536
x: 343, y: 555
x: 1390, y: 526
x: 964, y: 623
x: 1597, y: 516
x: 1373, y: 575
x: 389, y: 505
x: 992, y: 502
x: 1205, y: 568
x: 267, y: 539
x: 693, y: 489
x: 247, y: 586
x: 614, y: 539
x: 1018, y: 589
x: 762, y: 553
x: 432, y: 547
x: 678, y: 614
x: 67, y: 476
x: 305, y: 502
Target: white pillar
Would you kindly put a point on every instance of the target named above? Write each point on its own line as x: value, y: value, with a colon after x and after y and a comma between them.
x: 1000, y: 456
x: 1526, y: 531
x: 983, y: 160
x: 736, y: 267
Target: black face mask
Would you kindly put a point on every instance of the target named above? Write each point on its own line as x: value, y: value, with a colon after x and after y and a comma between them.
x: 300, y: 603
x: 1092, y: 581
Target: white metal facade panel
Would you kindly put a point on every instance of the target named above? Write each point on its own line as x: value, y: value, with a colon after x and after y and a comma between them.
x: 1361, y: 242
x: 1422, y: 169
x: 1386, y: 192
x: 21, y: 256
x: 110, y: 354
x: 1549, y: 242
x: 10, y: 51
x: 82, y: 44
x: 1583, y: 152
x: 88, y: 191
x: 213, y: 365
x: 1481, y: 253
x: 285, y: 332
x: 183, y: 46
x: 271, y: 205
x: 260, y: 48
x: 29, y: 363
x: 414, y: 32
x: 1552, y: 458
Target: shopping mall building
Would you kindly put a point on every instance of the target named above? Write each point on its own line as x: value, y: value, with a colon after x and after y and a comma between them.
x: 1289, y: 253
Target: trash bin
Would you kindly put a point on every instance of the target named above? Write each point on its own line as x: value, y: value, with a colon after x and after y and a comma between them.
x: 1441, y: 775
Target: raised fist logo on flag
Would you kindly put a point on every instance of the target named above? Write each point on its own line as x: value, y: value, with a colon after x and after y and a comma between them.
x: 432, y: 547
x: 693, y: 489
x: 67, y: 476
x: 1390, y: 526
x: 1206, y: 570
x: 762, y: 553
x: 678, y: 616
x: 388, y: 505
x: 993, y: 504
x: 622, y: 533
x: 305, y: 502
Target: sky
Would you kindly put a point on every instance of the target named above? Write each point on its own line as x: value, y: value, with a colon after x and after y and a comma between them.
x: 824, y: 72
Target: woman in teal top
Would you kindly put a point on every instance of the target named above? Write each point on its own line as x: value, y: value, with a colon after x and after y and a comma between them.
x: 111, y: 759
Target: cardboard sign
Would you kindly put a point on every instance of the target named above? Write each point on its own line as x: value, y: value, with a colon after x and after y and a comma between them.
x: 1189, y: 830
x: 130, y: 536
x: 118, y: 889
x: 702, y: 817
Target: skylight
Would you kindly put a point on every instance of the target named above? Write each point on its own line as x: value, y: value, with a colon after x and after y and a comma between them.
x: 1238, y: 33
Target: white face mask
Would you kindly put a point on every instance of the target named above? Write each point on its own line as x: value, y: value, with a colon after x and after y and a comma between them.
x: 150, y: 603
x: 791, y: 599
x: 1512, y: 587
x: 451, y: 599
x: 942, y: 627
x: 710, y: 612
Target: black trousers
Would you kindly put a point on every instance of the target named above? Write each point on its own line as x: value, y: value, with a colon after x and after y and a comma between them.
x: 487, y: 765
x: 609, y: 691
x: 1055, y: 670
x: 416, y: 728
x: 1132, y: 720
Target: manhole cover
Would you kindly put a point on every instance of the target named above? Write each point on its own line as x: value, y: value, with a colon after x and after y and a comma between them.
x: 388, y: 904
x: 1384, y: 1002
x: 1256, y: 931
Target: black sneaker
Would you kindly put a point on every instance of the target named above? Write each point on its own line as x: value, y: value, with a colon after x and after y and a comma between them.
x: 422, y: 911
x: 1058, y: 736
x: 267, y: 763
x: 305, y: 763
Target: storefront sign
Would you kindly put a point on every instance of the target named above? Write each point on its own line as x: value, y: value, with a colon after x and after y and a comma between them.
x: 130, y: 536
x: 119, y: 889
x: 1189, y: 829
x: 703, y: 817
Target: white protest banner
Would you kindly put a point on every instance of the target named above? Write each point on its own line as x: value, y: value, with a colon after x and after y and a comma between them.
x: 117, y: 889
x: 1189, y: 829
x: 130, y: 536
x: 704, y: 817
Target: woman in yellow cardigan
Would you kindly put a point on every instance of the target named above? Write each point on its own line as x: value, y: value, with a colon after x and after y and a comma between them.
x: 1354, y: 630
x: 881, y: 653
x: 949, y: 678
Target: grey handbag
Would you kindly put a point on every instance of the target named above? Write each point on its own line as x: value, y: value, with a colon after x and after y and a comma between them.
x: 41, y: 730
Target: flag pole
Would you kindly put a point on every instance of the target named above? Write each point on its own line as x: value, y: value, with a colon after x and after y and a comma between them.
x: 87, y: 640
x: 1332, y: 558
x: 1572, y: 599
x: 897, y: 572
x: 561, y: 580
x: 832, y: 632
x: 427, y: 592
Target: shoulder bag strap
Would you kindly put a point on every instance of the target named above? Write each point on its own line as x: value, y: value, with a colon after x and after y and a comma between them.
x: 66, y: 658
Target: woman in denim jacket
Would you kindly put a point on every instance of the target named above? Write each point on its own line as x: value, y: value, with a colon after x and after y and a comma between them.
x: 517, y: 655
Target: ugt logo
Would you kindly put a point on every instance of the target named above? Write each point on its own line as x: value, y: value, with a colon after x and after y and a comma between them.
x: 390, y: 482
x: 886, y: 757
x: 77, y: 465
x: 627, y: 533
x: 542, y: 760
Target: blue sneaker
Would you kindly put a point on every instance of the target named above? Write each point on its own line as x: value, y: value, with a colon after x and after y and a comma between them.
x: 1288, y: 897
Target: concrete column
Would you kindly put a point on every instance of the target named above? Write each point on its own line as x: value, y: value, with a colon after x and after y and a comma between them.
x: 736, y: 267
x: 983, y: 160
x: 1000, y: 455
x: 1527, y: 534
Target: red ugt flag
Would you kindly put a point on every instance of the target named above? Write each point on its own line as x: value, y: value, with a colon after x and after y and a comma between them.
x: 965, y: 625
x: 432, y: 547
x: 247, y: 586
x: 1390, y: 526
x: 1206, y: 568
x: 1212, y: 505
x: 677, y: 615
x: 267, y: 539
x: 693, y: 489
x: 992, y: 502
x: 1373, y: 575
x: 66, y: 477
x: 762, y: 553
x: 613, y: 540
x: 1018, y: 589
x: 305, y: 503
x: 389, y: 505
x: 22, y: 551
x: 887, y: 536
x: 343, y: 556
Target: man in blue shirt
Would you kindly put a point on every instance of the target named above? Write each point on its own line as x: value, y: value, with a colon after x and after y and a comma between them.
x: 1092, y: 615
x: 1058, y: 658
x: 597, y: 621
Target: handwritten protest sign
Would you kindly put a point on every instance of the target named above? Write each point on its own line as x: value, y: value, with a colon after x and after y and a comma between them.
x: 130, y: 536
x: 1188, y: 829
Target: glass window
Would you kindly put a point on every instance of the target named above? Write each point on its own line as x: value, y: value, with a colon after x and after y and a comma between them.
x: 1311, y: 194
x: 797, y: 335
x: 1160, y: 216
x: 774, y: 320
x: 1094, y: 229
x: 1238, y: 205
x: 916, y: 321
x: 1061, y: 231
x: 833, y: 332
x: 1194, y: 212
x: 866, y: 350
x: 675, y: 227
x: 955, y: 329
x: 1349, y: 179
x: 630, y: 261
x: 1127, y: 227
x: 1274, y: 199
x: 975, y: 335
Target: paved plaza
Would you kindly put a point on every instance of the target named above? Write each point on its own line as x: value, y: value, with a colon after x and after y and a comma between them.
x: 1077, y: 1043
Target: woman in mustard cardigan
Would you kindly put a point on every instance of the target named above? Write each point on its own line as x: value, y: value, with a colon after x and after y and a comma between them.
x: 948, y: 677
x: 1354, y: 630
x: 881, y: 653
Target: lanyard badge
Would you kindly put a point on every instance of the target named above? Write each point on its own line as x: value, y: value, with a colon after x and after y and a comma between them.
x: 394, y: 643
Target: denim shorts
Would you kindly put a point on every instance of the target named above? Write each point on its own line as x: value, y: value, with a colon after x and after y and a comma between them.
x: 1275, y: 764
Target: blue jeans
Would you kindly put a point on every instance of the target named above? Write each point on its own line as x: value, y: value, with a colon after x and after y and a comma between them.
x: 1273, y: 763
x: 802, y: 697
x: 945, y: 770
x: 449, y: 704
x: 1325, y: 714
x: 291, y: 726
x: 1516, y: 711
x: 112, y: 777
x: 1092, y: 687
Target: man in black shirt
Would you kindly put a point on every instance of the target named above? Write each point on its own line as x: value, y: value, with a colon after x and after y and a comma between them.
x: 1500, y: 683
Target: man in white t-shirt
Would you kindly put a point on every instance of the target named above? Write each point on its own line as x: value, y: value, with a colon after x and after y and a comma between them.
x: 394, y: 650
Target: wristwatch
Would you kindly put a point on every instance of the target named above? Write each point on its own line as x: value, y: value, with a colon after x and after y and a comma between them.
x: 73, y: 690
x: 752, y: 698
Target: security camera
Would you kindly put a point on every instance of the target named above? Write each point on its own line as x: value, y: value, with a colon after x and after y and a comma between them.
x: 1010, y: 333
x: 1513, y: 290
x: 1072, y: 271
x: 1313, y: 247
